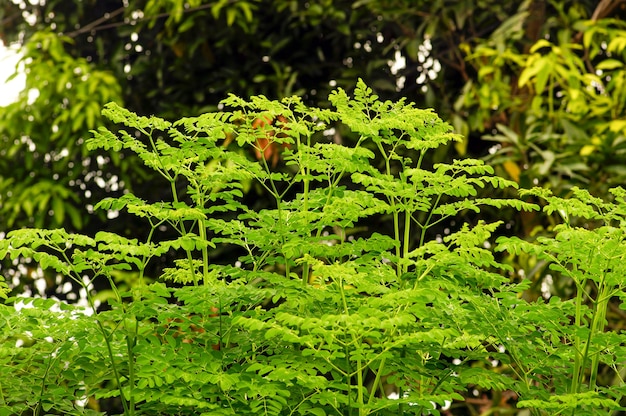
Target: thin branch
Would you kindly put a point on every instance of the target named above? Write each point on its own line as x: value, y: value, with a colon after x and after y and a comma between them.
x: 605, y: 8
x: 602, y: 10
x: 94, y: 25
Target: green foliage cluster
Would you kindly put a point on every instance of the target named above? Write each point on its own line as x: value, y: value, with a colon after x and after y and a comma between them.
x: 41, y: 132
x: 321, y: 314
x: 557, y: 112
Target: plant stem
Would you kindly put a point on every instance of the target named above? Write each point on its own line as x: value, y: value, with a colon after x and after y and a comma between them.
x: 578, y: 361
x: 205, y: 252
x: 305, y: 198
x: 599, y: 318
x: 395, y: 215
x: 37, y: 410
x: 183, y: 231
x: 407, y: 238
x: 359, y: 363
x: 128, y: 405
x: 129, y: 411
x: 130, y: 344
x: 427, y: 223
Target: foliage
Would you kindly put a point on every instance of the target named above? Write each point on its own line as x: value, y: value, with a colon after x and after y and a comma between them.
x: 543, y: 79
x: 557, y: 112
x: 70, y: 106
x: 169, y: 58
x: 321, y: 314
x: 538, y: 83
x: 592, y: 259
x: 46, y: 352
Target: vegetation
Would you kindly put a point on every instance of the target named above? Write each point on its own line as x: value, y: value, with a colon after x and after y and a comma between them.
x: 284, y: 215
x: 542, y: 78
x: 320, y: 314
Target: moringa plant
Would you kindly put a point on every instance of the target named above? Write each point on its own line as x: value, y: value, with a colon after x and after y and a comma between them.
x: 323, y: 312
x: 581, y: 354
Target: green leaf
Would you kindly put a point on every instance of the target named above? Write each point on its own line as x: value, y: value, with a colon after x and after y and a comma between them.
x: 609, y: 64
x: 58, y: 207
